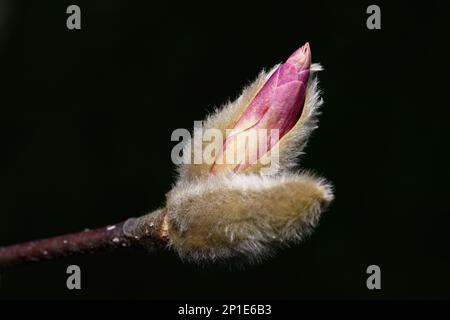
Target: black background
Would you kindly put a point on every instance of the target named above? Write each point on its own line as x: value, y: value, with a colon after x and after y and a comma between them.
x: 86, y: 119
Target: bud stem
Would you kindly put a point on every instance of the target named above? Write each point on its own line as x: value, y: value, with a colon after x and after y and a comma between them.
x: 145, y: 231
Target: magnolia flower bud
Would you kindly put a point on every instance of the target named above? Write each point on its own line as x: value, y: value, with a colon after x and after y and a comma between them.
x: 276, y: 108
x: 217, y: 211
x: 295, y: 122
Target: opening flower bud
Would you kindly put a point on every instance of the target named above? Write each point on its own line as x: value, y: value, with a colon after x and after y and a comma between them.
x: 213, y: 215
x: 269, y: 116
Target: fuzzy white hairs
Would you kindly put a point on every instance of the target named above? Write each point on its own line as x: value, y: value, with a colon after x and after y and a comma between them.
x: 245, y: 215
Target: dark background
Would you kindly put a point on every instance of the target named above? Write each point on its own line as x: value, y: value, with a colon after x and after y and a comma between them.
x: 86, y: 118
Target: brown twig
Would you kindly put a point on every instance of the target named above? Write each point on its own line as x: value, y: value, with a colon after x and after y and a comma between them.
x: 146, y: 231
